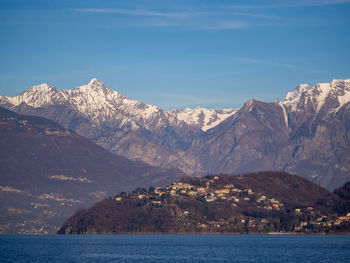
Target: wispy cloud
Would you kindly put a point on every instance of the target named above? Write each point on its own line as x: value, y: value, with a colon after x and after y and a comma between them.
x: 193, y: 20
x: 295, y: 4
x: 258, y: 16
x: 137, y: 12
x: 226, y: 25
x: 218, y: 18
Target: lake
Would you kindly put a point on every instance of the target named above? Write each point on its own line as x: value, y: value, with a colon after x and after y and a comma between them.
x: 175, y: 248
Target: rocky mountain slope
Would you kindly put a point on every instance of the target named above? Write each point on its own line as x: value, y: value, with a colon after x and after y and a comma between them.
x: 47, y: 172
x: 251, y: 203
x: 306, y: 133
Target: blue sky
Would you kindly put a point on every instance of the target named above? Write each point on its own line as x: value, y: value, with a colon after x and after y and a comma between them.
x: 175, y: 54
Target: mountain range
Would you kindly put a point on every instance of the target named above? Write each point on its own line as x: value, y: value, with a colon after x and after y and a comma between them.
x: 47, y: 172
x: 305, y: 133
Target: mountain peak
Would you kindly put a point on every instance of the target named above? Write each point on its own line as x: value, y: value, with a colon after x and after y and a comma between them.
x: 95, y: 82
x: 94, y: 86
x: 43, y: 87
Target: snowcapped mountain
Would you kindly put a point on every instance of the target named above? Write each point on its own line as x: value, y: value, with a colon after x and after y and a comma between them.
x: 334, y: 94
x: 203, y: 118
x: 328, y: 96
x: 127, y: 127
x: 100, y: 105
x: 306, y: 133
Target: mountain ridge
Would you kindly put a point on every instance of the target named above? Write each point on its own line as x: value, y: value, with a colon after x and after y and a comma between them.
x: 308, y: 134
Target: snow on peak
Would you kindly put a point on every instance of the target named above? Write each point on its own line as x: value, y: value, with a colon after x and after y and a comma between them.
x: 95, y: 81
x: 323, y: 91
x: 99, y: 104
x: 293, y: 97
x: 344, y: 96
x: 41, y: 87
x: 35, y: 96
x: 203, y: 118
x: 317, y: 96
x: 96, y: 84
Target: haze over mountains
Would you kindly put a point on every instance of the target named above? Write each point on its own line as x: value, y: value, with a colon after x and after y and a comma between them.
x: 306, y: 133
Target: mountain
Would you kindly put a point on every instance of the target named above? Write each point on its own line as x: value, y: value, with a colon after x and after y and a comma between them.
x: 251, y: 203
x: 203, y: 118
x: 306, y: 133
x: 123, y: 126
x: 252, y: 139
x: 47, y: 172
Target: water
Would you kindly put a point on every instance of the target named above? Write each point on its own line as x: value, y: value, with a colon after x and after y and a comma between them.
x: 175, y: 248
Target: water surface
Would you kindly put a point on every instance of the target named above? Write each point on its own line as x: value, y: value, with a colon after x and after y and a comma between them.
x: 175, y: 248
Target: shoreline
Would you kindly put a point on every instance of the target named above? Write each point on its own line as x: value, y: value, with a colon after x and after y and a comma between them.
x: 188, y: 234
x: 209, y: 234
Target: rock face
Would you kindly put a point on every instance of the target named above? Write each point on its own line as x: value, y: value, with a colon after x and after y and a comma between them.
x: 306, y: 133
x: 47, y: 172
x: 251, y: 203
x: 253, y: 139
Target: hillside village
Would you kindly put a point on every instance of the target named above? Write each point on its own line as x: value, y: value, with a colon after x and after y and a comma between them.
x: 264, y: 210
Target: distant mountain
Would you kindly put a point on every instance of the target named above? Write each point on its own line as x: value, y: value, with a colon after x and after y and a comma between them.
x: 203, y: 118
x: 127, y: 127
x: 252, y: 203
x: 306, y: 133
x: 47, y: 172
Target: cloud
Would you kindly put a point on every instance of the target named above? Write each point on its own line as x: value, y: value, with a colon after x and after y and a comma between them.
x: 193, y: 20
x: 136, y: 12
x: 259, y: 16
x: 216, y: 18
x: 287, y: 4
x: 226, y: 25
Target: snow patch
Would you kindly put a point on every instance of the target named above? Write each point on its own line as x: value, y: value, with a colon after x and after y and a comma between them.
x: 324, y: 89
x: 284, y: 114
x: 203, y: 118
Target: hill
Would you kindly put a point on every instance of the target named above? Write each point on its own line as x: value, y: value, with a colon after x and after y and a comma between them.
x: 251, y: 203
x: 47, y: 172
x: 344, y: 191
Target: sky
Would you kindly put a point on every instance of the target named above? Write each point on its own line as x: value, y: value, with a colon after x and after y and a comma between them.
x: 175, y: 54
